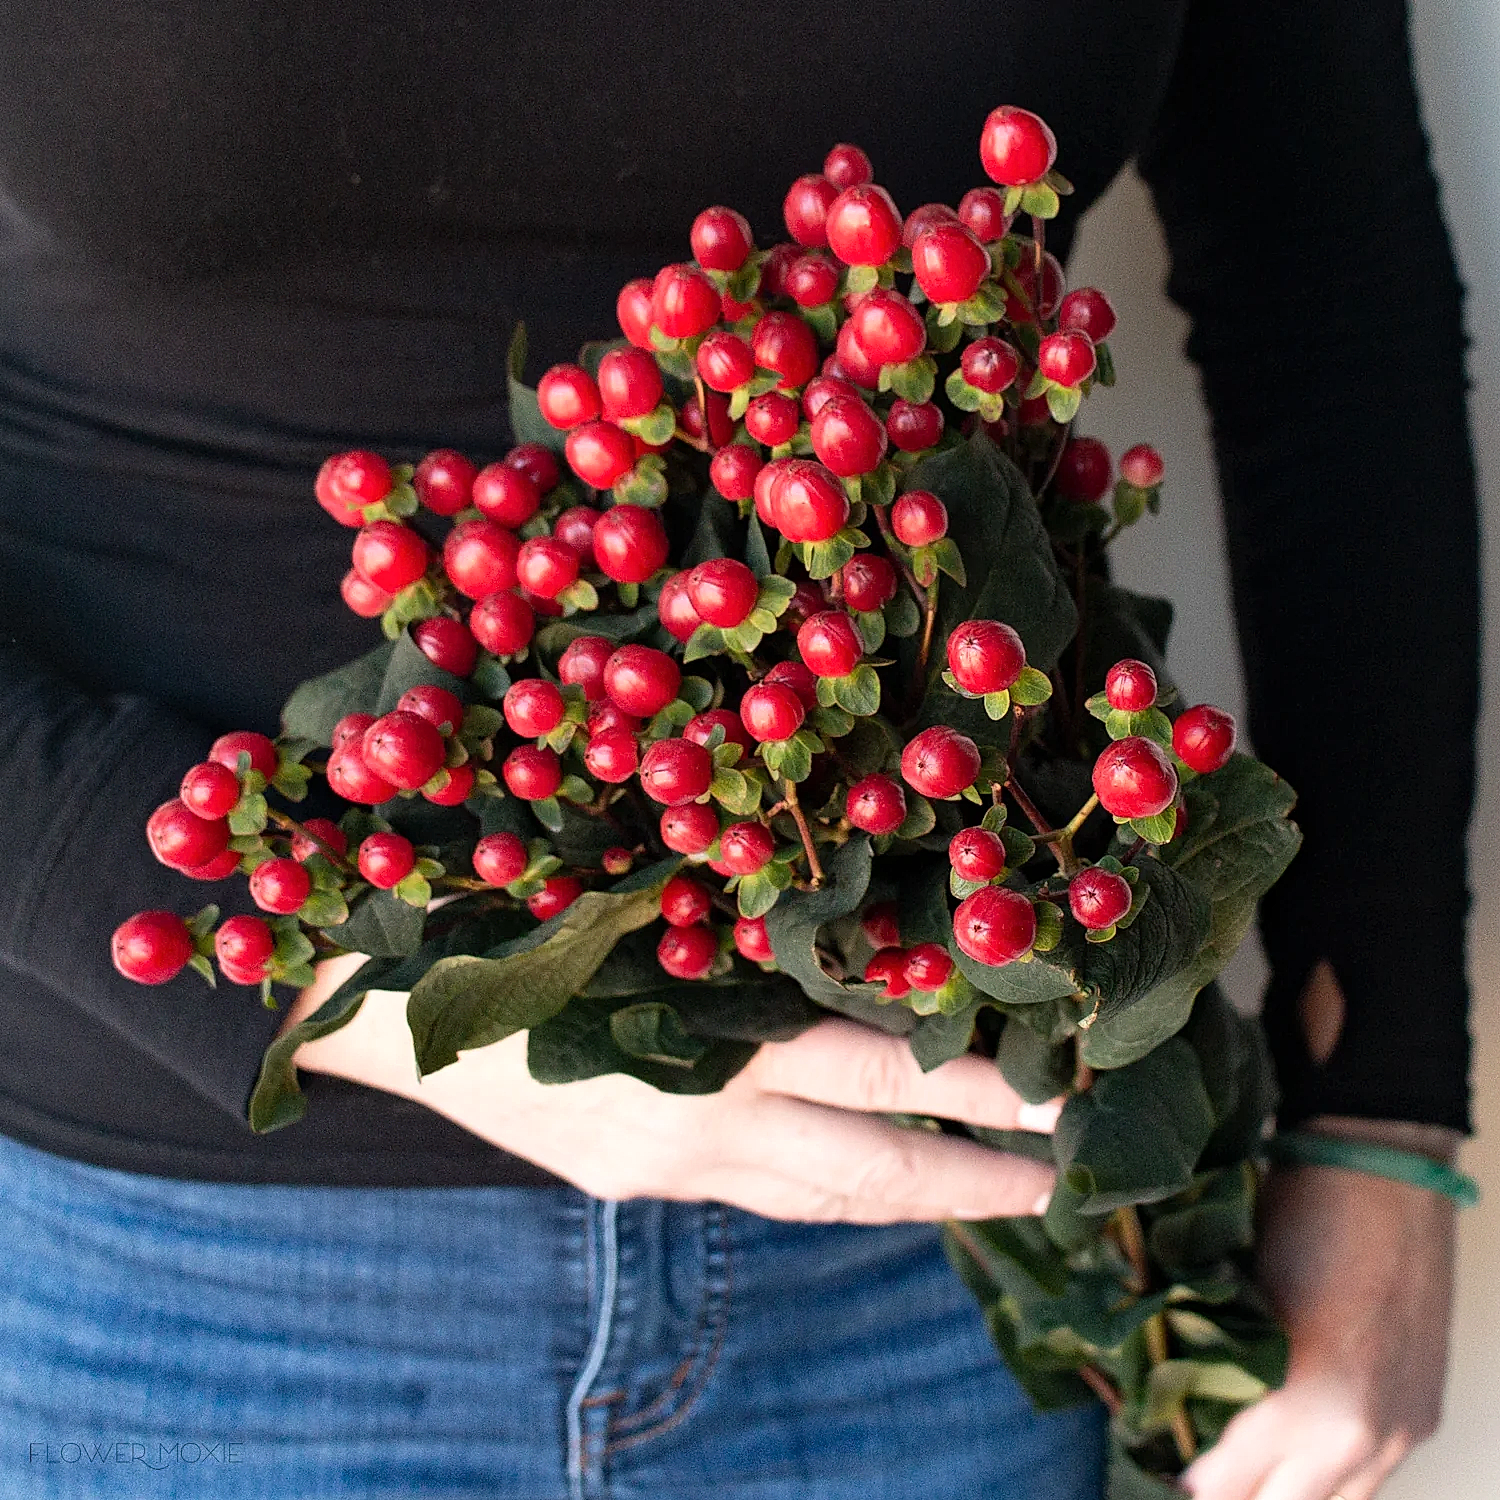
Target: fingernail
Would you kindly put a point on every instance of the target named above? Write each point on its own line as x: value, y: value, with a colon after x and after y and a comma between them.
x: 1041, y: 1117
x: 1040, y: 1206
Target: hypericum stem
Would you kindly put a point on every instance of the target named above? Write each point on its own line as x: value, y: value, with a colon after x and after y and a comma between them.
x: 683, y: 436
x: 1135, y: 849
x: 292, y: 826
x: 1080, y: 817
x: 1101, y: 1385
x: 814, y: 869
x: 1062, y: 442
x: 929, y: 619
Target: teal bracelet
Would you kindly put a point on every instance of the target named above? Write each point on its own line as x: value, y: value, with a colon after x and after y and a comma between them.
x: 1301, y: 1148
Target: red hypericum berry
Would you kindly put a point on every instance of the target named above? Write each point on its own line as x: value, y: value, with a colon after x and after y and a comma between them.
x: 913, y: 427
x: 869, y: 582
x: 604, y: 715
x: 928, y: 967
x: 1033, y: 303
x: 685, y: 902
x: 674, y: 608
x: 500, y: 858
x: 688, y: 952
x: 403, y: 748
x: 725, y: 361
x: 876, y: 804
x: 684, y: 302
x: 546, y: 566
x: 822, y: 390
x: 940, y: 762
x: 847, y: 166
x: 700, y: 728
x: 567, y: 396
x: 784, y: 344
x: 575, y: 528
x: 1204, y: 738
x: 220, y: 867
x: 506, y: 495
x: 538, y: 463
x: 182, y: 840
x: 773, y: 269
x: 244, y: 947
x: 990, y: 364
x: 630, y: 384
x: 949, y: 263
x: 805, y: 209
x: 888, y: 967
x: 752, y: 940
x: 633, y: 309
x: 995, y: 926
x: 455, y: 790
x: 582, y: 662
x: 830, y: 644
x: 1016, y: 147
x: 919, y: 518
x: 641, y: 680
x: 887, y: 328
x: 1087, y: 311
x: 689, y: 829
x: 503, y: 623
x: 745, y: 848
x: 390, y: 555
x: 810, y: 504
x: 1130, y: 686
x: 720, y: 426
x: 480, y: 558
x: 1142, y: 466
x: 847, y: 436
x: 721, y: 239
x: 353, y: 780
x: 630, y: 543
x: 985, y: 656
x: 315, y: 833
x: 982, y: 210
x: 444, y: 481
x: 976, y: 854
x: 1067, y: 358
x: 807, y: 601
x: 210, y: 789
x: 1083, y: 471
x: 386, y: 859
x: 732, y: 470
x: 676, y: 771
x: 1098, y: 898
x: 811, y: 280
x: 600, y: 453
x: 851, y: 361
x: 1135, y: 778
x: 771, y: 711
x: 533, y: 707
x: 723, y: 591
x: 435, y: 704
x: 863, y: 226
x: 151, y: 947
x: 362, y: 596
x: 920, y: 220
x: 617, y: 861
x: 280, y: 886
x: 228, y: 748
x: 795, y: 675
x: 348, y: 482
x: 446, y: 643
x: 880, y: 925
x: 532, y: 772
x: 1034, y: 411
x: 773, y: 419
x: 557, y: 894
x: 612, y: 756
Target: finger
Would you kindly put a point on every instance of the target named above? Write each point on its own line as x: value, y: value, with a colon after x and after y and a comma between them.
x: 849, y: 1066
x: 1235, y: 1466
x: 867, y: 1166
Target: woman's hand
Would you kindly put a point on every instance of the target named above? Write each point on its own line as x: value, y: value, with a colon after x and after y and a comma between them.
x: 1360, y: 1270
x: 795, y: 1135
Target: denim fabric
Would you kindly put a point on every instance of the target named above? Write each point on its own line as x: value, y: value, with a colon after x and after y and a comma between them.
x: 165, y: 1338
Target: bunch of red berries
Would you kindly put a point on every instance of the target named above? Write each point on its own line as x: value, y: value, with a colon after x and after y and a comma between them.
x: 774, y: 692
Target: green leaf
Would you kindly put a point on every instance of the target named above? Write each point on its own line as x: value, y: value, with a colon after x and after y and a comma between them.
x: 249, y: 815
x: 654, y: 1033
x: 1172, y: 1382
x: 1127, y: 1480
x: 382, y: 925
x: 1216, y: 1224
x: 415, y: 890
x: 757, y: 557
x: 1063, y: 402
x: 527, y: 424
x: 1036, y: 1070
x: 318, y: 704
x: 902, y: 617
x: 792, y: 926
x: 871, y: 625
x: 324, y: 908
x: 824, y: 559
x: 914, y: 380
x: 465, y: 1002
x: 1156, y: 829
x: 758, y: 893
x: 1031, y: 687
x: 939, y: 1038
x: 919, y: 821
x: 859, y: 692
x: 706, y: 640
x: 1136, y: 1135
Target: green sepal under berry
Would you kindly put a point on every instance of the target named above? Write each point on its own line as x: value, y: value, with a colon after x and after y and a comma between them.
x: 756, y: 894
x: 791, y: 759
x: 1158, y: 829
x: 645, y: 483
x: 902, y: 617
x: 941, y: 556
x: 858, y: 693
x: 913, y: 381
x: 655, y: 428
x: 824, y: 559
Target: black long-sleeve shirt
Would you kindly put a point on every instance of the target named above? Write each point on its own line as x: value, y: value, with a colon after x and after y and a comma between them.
x: 236, y: 238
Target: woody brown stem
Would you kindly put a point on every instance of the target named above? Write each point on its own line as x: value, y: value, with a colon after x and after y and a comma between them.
x: 814, y: 869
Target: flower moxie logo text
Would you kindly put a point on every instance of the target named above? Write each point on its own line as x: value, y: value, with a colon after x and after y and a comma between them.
x: 158, y: 1455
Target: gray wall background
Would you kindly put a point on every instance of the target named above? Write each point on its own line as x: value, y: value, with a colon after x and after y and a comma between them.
x: 1457, y: 46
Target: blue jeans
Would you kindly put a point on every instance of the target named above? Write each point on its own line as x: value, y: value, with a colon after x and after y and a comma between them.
x: 164, y: 1338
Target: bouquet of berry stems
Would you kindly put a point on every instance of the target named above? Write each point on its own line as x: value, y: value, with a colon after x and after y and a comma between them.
x: 793, y: 598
